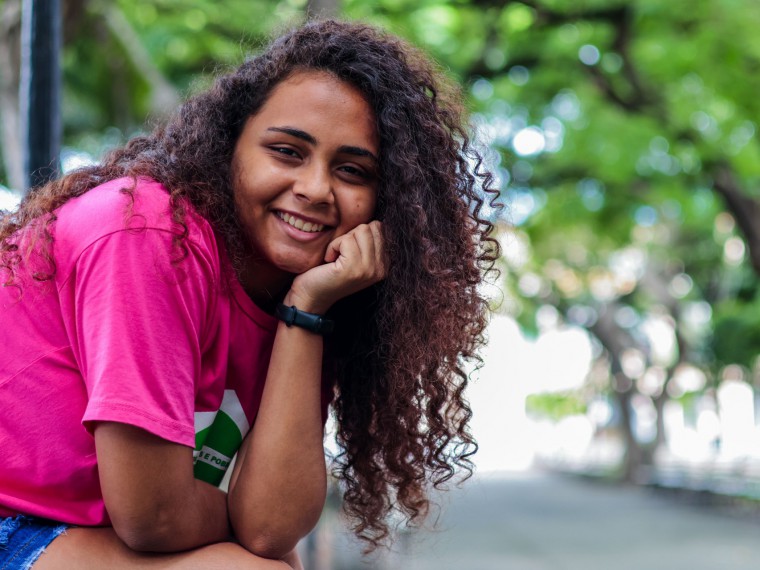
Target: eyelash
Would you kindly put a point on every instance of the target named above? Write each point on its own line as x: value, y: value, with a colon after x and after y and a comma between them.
x: 356, y: 172
x: 287, y: 151
x: 352, y: 170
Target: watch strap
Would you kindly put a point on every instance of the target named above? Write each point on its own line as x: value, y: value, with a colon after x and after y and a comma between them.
x: 310, y: 321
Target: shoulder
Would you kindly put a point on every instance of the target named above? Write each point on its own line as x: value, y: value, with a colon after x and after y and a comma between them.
x: 123, y: 204
x: 128, y: 218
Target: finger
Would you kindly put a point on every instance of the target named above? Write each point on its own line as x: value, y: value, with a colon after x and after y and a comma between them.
x: 333, y: 249
x: 336, y: 247
x: 380, y: 257
x: 365, y: 239
x: 344, y: 246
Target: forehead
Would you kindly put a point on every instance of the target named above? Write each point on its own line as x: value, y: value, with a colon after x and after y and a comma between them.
x: 320, y: 103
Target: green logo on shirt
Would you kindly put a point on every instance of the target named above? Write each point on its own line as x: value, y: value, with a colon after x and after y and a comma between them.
x: 218, y: 436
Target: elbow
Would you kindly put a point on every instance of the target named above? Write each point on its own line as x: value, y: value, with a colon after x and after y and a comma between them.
x: 266, y: 538
x: 273, y: 529
x: 270, y: 538
x: 268, y: 546
x: 154, y: 534
x: 142, y: 540
x: 143, y: 543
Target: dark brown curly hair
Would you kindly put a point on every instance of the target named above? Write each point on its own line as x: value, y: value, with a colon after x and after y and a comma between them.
x: 403, y: 345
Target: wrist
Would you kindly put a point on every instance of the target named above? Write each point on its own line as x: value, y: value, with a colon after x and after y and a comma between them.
x: 305, y: 303
x: 312, y: 322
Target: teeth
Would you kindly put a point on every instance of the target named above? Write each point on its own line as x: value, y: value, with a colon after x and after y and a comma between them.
x: 300, y: 224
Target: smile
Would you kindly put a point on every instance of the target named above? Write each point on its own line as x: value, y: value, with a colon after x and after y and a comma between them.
x: 300, y: 224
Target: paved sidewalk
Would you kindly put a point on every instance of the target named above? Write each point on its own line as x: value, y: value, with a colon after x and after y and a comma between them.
x: 546, y: 522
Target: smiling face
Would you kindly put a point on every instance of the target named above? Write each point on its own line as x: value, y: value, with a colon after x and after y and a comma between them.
x: 304, y: 172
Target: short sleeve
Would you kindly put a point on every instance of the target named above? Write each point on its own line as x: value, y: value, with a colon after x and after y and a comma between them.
x: 138, y: 317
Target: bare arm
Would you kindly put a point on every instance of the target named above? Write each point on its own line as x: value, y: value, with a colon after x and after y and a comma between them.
x: 278, y: 487
x: 277, y: 490
x: 155, y: 503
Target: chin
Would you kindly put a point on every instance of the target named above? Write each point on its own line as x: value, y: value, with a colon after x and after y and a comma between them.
x: 297, y: 267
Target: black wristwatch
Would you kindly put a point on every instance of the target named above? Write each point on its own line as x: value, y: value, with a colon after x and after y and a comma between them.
x: 309, y: 321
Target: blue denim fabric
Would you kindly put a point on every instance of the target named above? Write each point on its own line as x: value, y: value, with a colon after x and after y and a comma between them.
x: 23, y: 539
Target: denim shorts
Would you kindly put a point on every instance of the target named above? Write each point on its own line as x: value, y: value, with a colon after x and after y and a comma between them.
x: 23, y: 539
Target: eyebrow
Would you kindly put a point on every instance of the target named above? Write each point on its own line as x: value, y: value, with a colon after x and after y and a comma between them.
x: 303, y: 135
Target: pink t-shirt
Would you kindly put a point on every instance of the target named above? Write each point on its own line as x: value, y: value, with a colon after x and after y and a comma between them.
x: 123, y: 333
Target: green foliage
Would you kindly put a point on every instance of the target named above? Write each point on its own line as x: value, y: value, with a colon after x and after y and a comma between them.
x: 129, y: 62
x: 555, y: 406
x: 736, y: 335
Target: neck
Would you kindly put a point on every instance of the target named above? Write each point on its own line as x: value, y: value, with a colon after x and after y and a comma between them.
x: 264, y: 284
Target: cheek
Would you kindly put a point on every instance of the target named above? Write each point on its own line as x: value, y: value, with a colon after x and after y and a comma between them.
x: 363, y: 214
x: 364, y: 210
x: 356, y: 212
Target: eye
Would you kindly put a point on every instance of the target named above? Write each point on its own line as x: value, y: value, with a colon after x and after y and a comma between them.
x: 355, y: 173
x: 353, y: 170
x: 285, y: 151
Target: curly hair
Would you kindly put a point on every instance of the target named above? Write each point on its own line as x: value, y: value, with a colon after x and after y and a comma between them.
x: 404, y: 344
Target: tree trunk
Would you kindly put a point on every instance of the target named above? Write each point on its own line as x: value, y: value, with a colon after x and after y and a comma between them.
x: 633, y: 457
x: 616, y: 340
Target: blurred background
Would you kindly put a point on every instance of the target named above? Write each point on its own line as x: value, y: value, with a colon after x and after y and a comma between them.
x: 617, y: 411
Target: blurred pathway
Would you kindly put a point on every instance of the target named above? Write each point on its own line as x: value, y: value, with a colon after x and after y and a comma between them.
x: 546, y: 522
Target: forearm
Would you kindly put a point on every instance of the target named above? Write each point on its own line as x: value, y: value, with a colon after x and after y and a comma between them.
x: 164, y: 509
x: 190, y: 518
x: 278, y: 489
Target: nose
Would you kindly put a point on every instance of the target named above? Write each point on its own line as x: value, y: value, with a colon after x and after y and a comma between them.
x: 315, y: 185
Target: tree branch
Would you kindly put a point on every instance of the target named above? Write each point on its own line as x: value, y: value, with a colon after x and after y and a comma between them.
x: 746, y: 210
x: 164, y: 97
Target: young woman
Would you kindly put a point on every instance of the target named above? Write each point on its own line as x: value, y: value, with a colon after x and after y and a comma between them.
x: 175, y: 305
